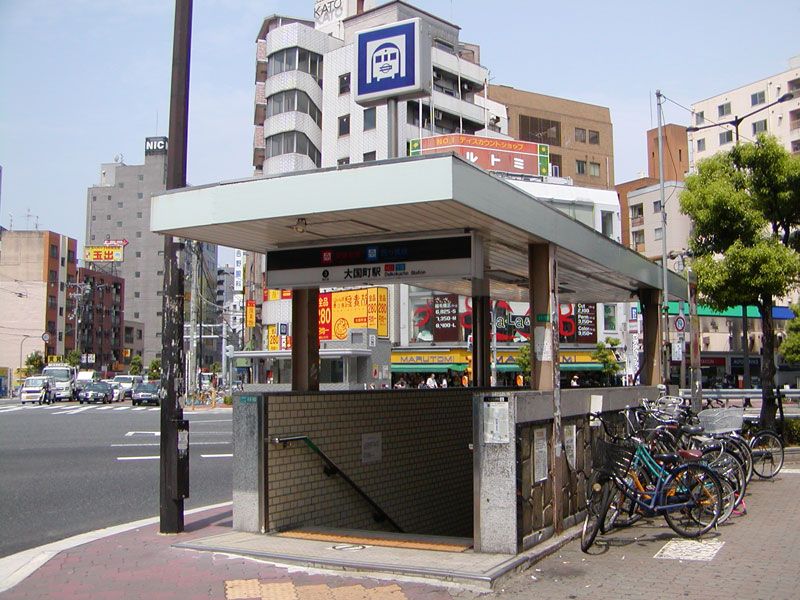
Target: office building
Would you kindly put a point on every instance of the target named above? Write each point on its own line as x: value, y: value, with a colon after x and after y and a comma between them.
x: 98, y: 317
x: 118, y: 215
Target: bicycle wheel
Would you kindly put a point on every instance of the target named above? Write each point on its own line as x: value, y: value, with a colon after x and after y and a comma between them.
x: 726, y: 466
x: 622, y: 512
x: 729, y: 500
x: 767, y: 454
x: 742, y: 452
x: 697, y: 492
x: 597, y: 501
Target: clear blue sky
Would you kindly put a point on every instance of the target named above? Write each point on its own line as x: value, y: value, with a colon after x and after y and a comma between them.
x: 84, y: 80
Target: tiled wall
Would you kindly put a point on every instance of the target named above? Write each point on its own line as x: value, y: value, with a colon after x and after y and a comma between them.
x: 420, y: 473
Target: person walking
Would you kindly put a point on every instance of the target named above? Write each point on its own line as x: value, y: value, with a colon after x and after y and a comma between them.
x: 444, y: 382
x: 431, y: 382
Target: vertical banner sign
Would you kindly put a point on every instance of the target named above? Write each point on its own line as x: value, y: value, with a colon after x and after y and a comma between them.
x: 273, y: 341
x: 445, y: 318
x: 250, y: 313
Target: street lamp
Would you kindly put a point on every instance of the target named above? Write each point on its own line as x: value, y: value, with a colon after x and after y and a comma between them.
x: 736, y: 121
x: 24, y: 337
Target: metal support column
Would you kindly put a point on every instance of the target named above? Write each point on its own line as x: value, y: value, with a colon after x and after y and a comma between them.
x: 305, y: 340
x: 481, y: 351
x: 651, y: 337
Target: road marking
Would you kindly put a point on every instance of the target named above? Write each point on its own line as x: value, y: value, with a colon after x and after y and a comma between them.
x: 104, y: 407
x: 75, y: 411
x: 138, y: 457
x: 122, y: 408
x: 216, y: 456
x: 133, y: 433
x: 139, y: 408
x: 791, y: 471
x: 13, y: 409
x: 154, y: 409
x: 704, y: 550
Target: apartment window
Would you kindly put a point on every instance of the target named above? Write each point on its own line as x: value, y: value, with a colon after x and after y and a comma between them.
x: 138, y: 254
x: 369, y: 156
x: 535, y: 129
x: 60, y: 336
x: 94, y: 198
x: 159, y: 273
x: 594, y: 169
x: 94, y: 217
x: 291, y: 59
x: 292, y: 142
x: 724, y: 110
x: 60, y: 311
x: 607, y: 223
x: 52, y: 302
x: 109, y: 198
x: 140, y: 195
x: 159, y: 313
x: 657, y: 207
x: 637, y: 211
x: 412, y: 113
x: 580, y: 167
x: 92, y: 237
x: 119, y: 204
x: 344, y: 84
x: 53, y: 251
x: 594, y: 137
x: 136, y: 294
x: 139, y: 215
x: 700, y: 118
x: 658, y: 233
x: 701, y: 145
x: 137, y: 274
x: 138, y: 234
x: 52, y: 276
x: 726, y: 137
x: 637, y: 237
x: 343, y: 161
x: 293, y: 100
x: 71, y: 256
x: 141, y: 177
x: 121, y: 184
x: 108, y: 217
x: 138, y: 334
x: 758, y: 98
x: 136, y: 315
x: 580, y: 135
x: 759, y: 127
x: 63, y: 261
x: 369, y: 118
x: 119, y: 223
x: 344, y: 125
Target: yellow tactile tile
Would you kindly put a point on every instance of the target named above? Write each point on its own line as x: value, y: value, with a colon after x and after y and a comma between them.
x: 313, y: 592
x: 278, y: 591
x: 349, y: 592
x: 242, y: 589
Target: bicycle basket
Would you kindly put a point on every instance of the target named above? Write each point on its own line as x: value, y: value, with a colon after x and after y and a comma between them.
x: 612, y: 459
x: 721, y: 420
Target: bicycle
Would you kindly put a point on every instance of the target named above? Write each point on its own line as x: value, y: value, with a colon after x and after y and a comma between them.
x: 688, y: 494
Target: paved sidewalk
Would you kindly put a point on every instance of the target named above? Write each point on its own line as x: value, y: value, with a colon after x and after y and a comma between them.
x: 752, y: 557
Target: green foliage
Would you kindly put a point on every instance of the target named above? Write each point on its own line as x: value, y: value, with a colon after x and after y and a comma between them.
x: 73, y: 358
x: 34, y: 363
x: 605, y: 355
x: 227, y: 400
x: 524, y: 360
x: 154, y: 371
x: 791, y: 432
x: 790, y: 348
x: 136, y: 365
x: 215, y: 367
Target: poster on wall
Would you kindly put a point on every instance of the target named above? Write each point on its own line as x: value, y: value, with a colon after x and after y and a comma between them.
x: 540, y: 453
x: 352, y: 309
x: 577, y: 323
x: 445, y: 318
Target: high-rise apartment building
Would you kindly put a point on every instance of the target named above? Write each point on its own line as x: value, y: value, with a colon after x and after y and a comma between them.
x: 99, y: 313
x: 118, y: 213
x: 782, y: 119
x: 37, y: 271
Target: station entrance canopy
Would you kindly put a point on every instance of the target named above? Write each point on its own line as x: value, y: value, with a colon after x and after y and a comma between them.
x: 398, y: 204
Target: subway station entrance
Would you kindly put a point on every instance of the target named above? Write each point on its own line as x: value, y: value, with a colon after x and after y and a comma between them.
x: 503, y: 469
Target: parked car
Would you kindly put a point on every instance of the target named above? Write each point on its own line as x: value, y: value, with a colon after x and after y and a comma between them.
x: 117, y: 389
x: 38, y: 390
x: 96, y: 391
x: 127, y: 383
x: 146, y: 393
x: 85, y: 377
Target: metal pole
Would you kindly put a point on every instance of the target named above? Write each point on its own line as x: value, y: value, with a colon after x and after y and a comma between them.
x: 170, y: 498
x: 391, y: 114
x: 493, y: 313
x: 191, y: 375
x: 665, y: 296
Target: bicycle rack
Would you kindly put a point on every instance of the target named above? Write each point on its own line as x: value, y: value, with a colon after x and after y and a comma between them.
x: 331, y: 469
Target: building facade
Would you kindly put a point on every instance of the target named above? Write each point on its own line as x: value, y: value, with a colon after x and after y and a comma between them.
x: 118, y: 215
x: 37, y: 271
x: 580, y: 135
x: 781, y: 120
x: 99, y: 316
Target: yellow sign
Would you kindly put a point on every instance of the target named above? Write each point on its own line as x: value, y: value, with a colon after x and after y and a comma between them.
x: 103, y: 253
x: 430, y: 358
x: 126, y: 352
x: 273, y: 339
x: 250, y: 314
x: 54, y: 358
x: 339, y: 312
x: 576, y: 356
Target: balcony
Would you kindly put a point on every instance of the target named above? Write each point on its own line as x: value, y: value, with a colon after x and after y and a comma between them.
x: 639, y: 248
x: 637, y: 221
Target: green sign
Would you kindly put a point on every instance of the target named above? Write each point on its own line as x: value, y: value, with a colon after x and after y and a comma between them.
x: 543, y: 318
x: 248, y: 399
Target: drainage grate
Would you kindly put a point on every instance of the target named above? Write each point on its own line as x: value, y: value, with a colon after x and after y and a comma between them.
x: 690, y: 550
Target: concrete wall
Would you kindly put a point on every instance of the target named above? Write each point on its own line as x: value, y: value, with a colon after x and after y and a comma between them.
x: 407, y: 449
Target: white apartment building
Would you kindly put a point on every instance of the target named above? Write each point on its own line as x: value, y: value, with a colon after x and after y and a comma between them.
x: 647, y: 228
x: 714, y: 116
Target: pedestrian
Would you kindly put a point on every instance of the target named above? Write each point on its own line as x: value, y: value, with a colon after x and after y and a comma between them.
x: 574, y: 381
x: 431, y: 381
x: 444, y: 382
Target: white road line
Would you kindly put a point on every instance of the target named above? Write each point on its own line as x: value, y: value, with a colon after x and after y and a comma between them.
x: 104, y: 407
x: 216, y: 456
x: 13, y: 409
x: 122, y: 408
x: 133, y: 433
x: 138, y: 457
x: 75, y: 411
x: 154, y: 409
x: 139, y: 408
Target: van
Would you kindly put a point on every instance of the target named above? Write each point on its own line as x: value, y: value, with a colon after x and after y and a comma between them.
x: 85, y: 377
x: 40, y: 389
x: 64, y: 376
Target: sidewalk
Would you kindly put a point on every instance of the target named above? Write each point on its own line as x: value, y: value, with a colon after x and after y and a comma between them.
x: 751, y: 557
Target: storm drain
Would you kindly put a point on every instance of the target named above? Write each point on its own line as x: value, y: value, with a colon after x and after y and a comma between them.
x: 690, y: 550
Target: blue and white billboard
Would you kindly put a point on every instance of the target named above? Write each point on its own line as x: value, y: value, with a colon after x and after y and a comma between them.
x: 392, y: 62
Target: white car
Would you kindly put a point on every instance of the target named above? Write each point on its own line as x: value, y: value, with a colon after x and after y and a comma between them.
x: 127, y: 383
x: 38, y: 390
x: 117, y: 389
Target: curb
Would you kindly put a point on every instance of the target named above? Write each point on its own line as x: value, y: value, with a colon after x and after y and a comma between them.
x: 16, y: 567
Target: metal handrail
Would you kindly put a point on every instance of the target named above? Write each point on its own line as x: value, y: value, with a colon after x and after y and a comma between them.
x: 333, y: 469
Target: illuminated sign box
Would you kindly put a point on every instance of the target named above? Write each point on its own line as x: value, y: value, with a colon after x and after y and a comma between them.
x: 103, y: 253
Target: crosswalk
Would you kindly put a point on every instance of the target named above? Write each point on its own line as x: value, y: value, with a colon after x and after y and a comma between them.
x: 73, y: 409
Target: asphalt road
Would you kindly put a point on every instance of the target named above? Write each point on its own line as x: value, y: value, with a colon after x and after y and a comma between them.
x: 67, y: 469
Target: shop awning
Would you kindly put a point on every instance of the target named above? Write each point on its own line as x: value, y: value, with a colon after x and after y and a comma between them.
x: 423, y: 368
x: 580, y: 367
x: 507, y: 368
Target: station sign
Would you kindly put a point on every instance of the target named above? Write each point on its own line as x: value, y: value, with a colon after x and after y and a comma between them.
x: 491, y: 154
x: 103, y: 253
x: 392, y: 61
x: 399, y: 261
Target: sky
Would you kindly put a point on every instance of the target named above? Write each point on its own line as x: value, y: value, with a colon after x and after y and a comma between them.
x: 83, y: 81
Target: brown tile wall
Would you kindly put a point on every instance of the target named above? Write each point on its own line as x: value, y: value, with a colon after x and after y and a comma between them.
x: 423, y: 482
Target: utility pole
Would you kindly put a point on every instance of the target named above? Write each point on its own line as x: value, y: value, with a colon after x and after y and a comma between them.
x: 191, y: 379
x: 170, y: 495
x: 665, y: 297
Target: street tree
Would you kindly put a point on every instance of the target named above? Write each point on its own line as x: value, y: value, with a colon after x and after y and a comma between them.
x: 136, y: 365
x: 73, y: 358
x: 790, y: 348
x: 745, y: 208
x: 154, y: 371
x: 524, y: 361
x: 605, y: 355
x: 34, y: 363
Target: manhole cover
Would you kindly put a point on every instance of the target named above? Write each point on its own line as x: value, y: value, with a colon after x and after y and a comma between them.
x: 690, y: 550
